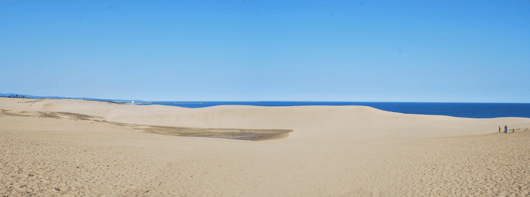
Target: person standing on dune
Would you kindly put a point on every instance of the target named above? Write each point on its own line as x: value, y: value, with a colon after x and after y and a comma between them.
x: 505, y: 128
x: 499, y: 129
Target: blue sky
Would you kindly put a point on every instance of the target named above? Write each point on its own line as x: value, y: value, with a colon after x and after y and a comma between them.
x: 415, y: 51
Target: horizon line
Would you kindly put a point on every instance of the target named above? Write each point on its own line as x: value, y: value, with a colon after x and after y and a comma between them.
x: 25, y: 96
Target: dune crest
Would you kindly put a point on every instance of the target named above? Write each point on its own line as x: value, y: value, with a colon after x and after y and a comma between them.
x: 308, y: 122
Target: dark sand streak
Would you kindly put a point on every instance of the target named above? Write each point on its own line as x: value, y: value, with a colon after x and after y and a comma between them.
x: 224, y: 133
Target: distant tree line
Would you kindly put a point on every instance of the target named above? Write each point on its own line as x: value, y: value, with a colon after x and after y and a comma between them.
x: 13, y: 96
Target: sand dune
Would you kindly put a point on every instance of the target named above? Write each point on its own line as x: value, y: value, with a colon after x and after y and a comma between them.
x: 332, y: 151
x: 310, y: 122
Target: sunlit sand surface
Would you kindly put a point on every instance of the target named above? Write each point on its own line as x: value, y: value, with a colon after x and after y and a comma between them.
x: 80, y: 148
x: 236, y: 134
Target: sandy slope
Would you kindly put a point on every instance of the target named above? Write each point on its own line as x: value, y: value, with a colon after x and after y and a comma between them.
x: 310, y: 122
x: 333, y: 151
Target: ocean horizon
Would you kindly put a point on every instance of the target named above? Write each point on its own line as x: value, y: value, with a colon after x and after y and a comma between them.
x: 454, y: 109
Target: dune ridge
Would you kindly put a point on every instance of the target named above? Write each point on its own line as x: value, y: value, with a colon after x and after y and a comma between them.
x: 309, y: 122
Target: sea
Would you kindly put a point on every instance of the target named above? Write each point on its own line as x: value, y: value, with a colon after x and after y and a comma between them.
x: 463, y: 110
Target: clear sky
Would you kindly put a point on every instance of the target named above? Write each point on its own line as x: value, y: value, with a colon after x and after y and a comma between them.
x: 417, y: 51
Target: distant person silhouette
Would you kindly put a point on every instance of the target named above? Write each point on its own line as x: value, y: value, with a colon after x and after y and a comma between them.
x: 499, y: 129
x: 505, y: 128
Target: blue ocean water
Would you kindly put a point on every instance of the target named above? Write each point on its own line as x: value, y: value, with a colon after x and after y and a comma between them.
x: 465, y: 110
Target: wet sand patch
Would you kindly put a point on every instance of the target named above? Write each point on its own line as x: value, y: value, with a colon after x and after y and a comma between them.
x: 236, y: 134
x: 224, y: 133
x: 47, y: 114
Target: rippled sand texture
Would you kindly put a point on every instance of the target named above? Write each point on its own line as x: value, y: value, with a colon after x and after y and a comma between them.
x: 84, y: 157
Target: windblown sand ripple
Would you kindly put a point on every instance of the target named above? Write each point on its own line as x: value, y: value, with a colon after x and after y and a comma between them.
x: 64, y: 156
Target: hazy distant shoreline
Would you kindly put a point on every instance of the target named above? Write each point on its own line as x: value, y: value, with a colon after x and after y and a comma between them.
x: 462, y: 110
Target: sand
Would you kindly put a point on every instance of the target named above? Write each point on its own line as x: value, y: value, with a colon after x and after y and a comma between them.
x: 331, y: 151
